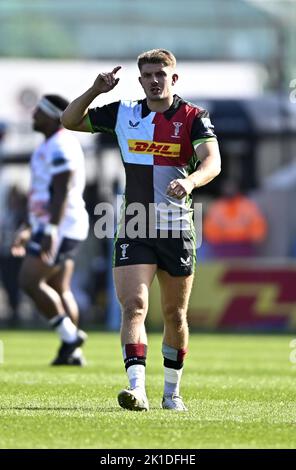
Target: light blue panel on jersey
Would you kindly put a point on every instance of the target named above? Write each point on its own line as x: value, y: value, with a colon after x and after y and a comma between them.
x: 171, y: 213
x: 133, y: 132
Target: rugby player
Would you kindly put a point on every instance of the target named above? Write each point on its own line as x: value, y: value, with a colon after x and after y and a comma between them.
x: 168, y: 148
x: 57, y: 224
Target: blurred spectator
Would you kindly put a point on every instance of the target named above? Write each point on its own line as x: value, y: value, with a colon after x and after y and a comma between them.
x: 234, y: 225
x: 13, y: 215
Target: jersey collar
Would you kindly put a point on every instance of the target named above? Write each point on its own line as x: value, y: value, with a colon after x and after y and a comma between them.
x: 169, y: 113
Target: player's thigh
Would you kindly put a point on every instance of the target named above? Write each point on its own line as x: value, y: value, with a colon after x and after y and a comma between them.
x: 133, y: 282
x: 65, y: 264
x: 34, y: 270
x: 175, y: 291
x: 60, y: 280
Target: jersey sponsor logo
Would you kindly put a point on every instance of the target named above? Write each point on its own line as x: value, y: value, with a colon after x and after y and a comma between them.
x: 177, y: 126
x: 133, y: 125
x: 162, y: 149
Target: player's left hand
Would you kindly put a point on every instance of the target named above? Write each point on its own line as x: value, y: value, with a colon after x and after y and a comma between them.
x: 180, y: 188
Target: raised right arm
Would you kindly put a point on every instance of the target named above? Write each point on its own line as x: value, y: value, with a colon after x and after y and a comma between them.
x: 75, y: 116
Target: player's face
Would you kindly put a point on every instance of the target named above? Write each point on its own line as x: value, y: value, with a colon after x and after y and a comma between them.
x: 157, y: 81
x: 40, y: 120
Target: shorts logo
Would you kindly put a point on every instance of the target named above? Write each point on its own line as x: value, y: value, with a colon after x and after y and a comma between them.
x: 161, y: 149
x: 124, y: 247
x: 177, y: 126
x: 185, y: 262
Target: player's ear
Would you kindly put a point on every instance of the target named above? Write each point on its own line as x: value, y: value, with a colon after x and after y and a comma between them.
x: 140, y: 80
x: 174, y: 78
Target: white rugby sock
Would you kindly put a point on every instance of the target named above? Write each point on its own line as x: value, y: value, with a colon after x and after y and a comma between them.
x: 136, y: 376
x: 172, y: 380
x: 64, y: 327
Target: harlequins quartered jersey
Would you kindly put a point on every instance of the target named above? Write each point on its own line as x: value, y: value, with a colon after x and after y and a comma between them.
x: 156, y: 148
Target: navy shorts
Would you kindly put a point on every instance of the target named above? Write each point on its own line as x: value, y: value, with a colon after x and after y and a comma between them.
x: 177, y: 256
x: 67, y: 248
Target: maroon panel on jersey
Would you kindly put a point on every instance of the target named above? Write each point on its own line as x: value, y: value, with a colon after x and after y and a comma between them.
x: 176, y: 130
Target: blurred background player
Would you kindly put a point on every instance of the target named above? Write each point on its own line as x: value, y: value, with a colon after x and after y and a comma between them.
x: 234, y: 226
x: 57, y: 224
x: 162, y: 119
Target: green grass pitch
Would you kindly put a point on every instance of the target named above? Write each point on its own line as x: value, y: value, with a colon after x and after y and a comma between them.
x: 240, y: 391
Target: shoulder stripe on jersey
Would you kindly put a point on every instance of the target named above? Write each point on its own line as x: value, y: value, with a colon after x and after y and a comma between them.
x: 204, y: 139
x: 88, y: 121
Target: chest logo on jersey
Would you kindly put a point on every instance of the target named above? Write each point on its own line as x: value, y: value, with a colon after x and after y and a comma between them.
x: 133, y: 125
x: 177, y: 126
x: 159, y: 149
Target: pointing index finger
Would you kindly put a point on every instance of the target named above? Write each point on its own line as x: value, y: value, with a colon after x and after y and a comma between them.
x: 115, y: 70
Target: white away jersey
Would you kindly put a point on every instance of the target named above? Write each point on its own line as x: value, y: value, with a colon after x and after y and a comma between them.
x: 61, y: 152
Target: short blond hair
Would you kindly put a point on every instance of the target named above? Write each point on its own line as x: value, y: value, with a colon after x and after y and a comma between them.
x: 157, y: 56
